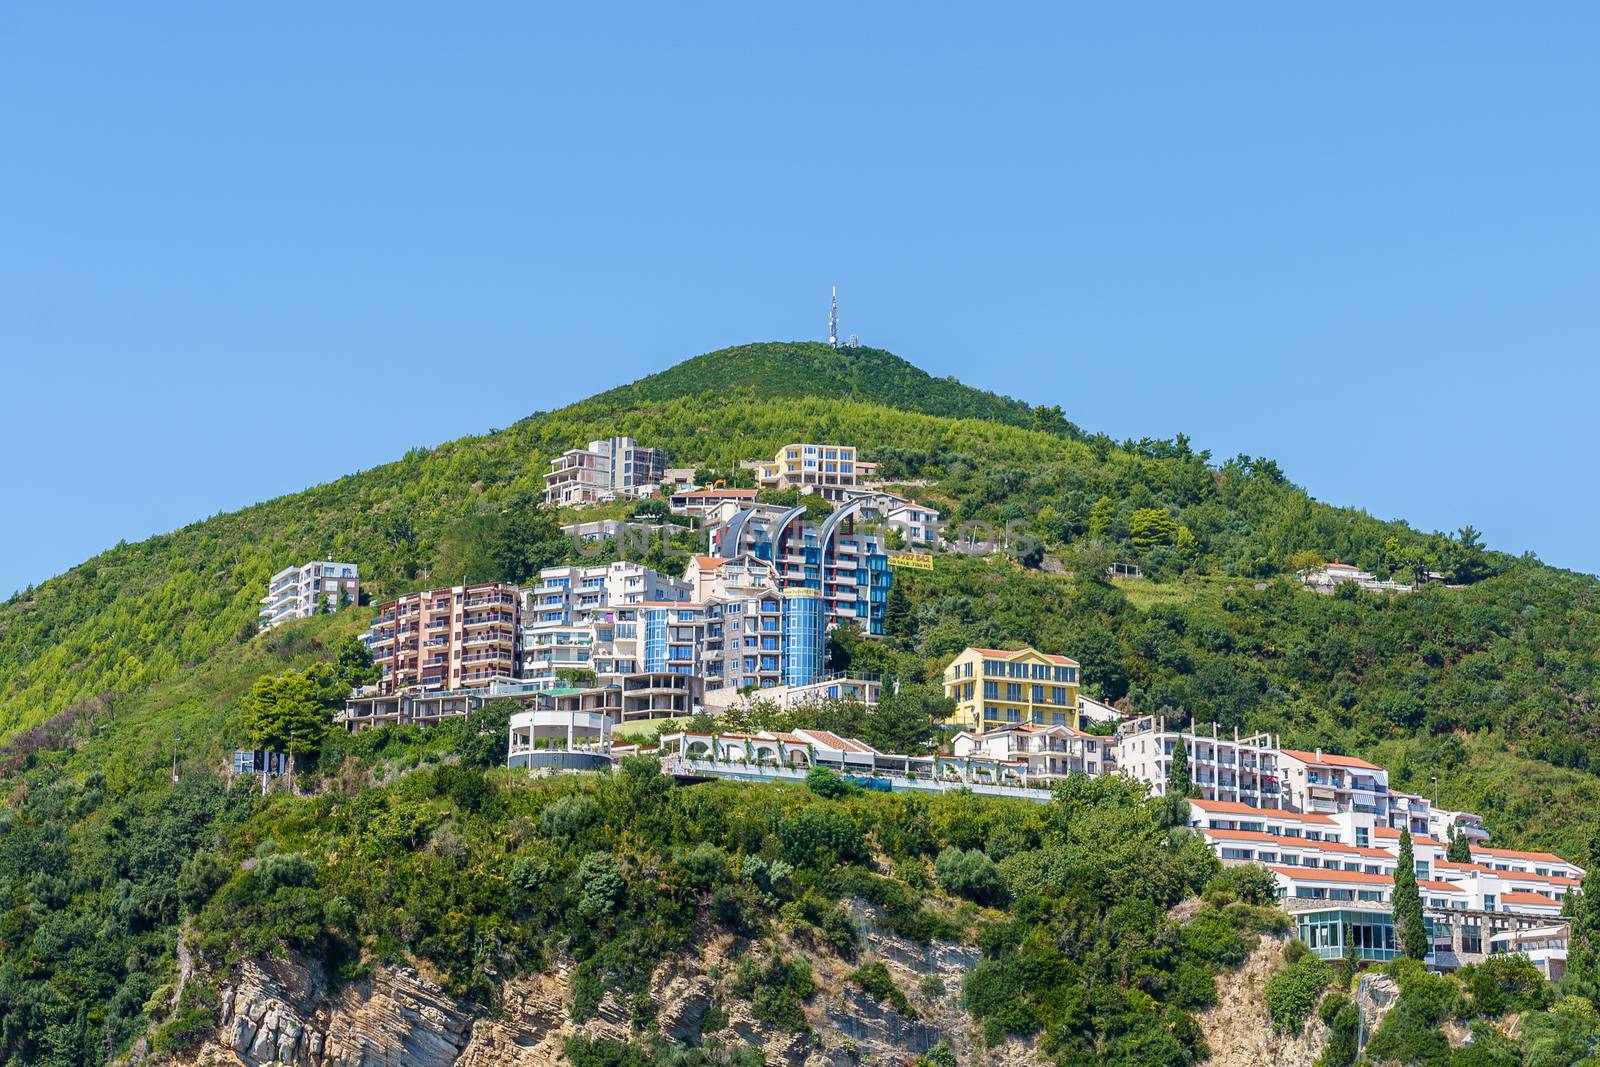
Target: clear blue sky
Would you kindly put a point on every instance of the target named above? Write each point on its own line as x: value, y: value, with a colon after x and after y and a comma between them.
x: 247, y: 249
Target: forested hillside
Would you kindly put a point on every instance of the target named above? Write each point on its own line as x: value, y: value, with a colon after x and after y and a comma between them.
x: 1481, y: 690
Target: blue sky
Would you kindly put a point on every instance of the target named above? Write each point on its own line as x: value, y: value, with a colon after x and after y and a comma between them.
x: 244, y: 250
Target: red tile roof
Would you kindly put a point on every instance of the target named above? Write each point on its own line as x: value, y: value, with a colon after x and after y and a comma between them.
x: 1438, y: 887
x: 1527, y: 899
x: 1329, y: 759
x: 1230, y: 807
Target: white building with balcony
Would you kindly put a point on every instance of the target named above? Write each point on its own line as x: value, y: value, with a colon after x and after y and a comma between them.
x: 1047, y: 754
x: 301, y: 592
x: 1247, y: 770
x: 1326, y: 782
x: 609, y: 469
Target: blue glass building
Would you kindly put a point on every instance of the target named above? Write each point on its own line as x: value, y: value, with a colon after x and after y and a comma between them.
x: 804, y: 645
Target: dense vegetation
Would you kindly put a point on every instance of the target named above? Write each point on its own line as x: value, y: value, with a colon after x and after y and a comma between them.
x: 485, y: 874
x: 1483, y: 694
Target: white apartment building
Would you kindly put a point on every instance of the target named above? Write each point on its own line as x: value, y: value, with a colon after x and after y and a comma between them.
x: 1047, y: 754
x: 918, y: 524
x: 548, y: 649
x: 1247, y: 770
x: 610, y: 468
x: 300, y: 592
x: 568, y: 596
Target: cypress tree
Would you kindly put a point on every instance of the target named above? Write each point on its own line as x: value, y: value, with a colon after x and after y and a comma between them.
x: 1410, y: 930
x: 1179, y: 785
x: 1582, y: 910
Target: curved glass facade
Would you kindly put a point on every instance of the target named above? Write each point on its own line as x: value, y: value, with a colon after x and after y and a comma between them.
x: 804, y: 647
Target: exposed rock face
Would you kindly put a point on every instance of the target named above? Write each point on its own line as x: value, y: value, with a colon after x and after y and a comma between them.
x: 1237, y: 1027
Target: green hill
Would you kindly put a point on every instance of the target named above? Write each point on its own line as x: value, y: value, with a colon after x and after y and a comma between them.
x: 1483, y: 694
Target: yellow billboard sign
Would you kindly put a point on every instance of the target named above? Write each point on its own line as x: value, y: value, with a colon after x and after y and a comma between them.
x: 917, y: 561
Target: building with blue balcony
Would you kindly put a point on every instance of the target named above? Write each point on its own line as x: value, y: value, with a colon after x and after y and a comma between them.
x: 837, y: 557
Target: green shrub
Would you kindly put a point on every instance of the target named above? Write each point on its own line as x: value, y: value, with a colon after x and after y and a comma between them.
x: 1343, y: 1020
x: 569, y: 816
x: 777, y: 992
x: 1293, y: 992
x: 826, y: 783
x: 1248, y: 883
x: 969, y: 873
x: 820, y: 837
x: 875, y: 980
x: 704, y: 866
x: 600, y: 885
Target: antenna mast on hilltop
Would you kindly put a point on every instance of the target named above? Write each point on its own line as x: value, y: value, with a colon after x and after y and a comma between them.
x: 833, y: 320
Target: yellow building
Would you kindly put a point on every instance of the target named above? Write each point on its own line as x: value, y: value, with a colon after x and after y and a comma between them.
x: 993, y: 688
x: 825, y: 468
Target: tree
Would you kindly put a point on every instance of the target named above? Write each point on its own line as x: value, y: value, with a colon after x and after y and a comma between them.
x: 1151, y: 527
x: 354, y: 664
x: 1406, y: 904
x: 652, y: 507
x: 1582, y: 911
x: 1460, y: 850
x: 285, y: 714
x: 1179, y: 785
x: 1101, y: 518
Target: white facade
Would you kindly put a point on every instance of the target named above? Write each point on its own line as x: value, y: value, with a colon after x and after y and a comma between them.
x: 567, y: 596
x: 1222, y: 767
x: 1326, y: 782
x: 1047, y: 753
x: 299, y: 592
x: 917, y: 523
x: 609, y: 468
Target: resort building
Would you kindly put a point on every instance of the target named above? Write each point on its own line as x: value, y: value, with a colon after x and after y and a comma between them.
x: 610, y: 468
x: 1242, y: 769
x: 836, y: 557
x: 701, y: 503
x: 856, y: 688
x: 993, y: 687
x: 455, y: 638
x: 1330, y: 576
x: 623, y: 532
x: 825, y: 469
x: 303, y: 591
x: 917, y: 524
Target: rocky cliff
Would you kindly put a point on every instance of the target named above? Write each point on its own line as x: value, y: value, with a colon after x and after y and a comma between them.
x: 285, y: 1012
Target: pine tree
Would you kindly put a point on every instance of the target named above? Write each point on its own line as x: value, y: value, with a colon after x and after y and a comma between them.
x: 1460, y: 850
x: 1410, y: 929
